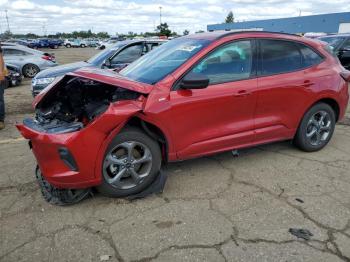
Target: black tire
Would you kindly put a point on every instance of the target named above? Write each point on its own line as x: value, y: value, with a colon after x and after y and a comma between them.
x: 68, y: 45
x: 60, y: 197
x: 132, y: 134
x: 303, y: 141
x: 30, y: 70
x: 82, y: 45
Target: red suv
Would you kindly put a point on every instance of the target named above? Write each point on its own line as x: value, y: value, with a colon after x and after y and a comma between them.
x: 193, y: 96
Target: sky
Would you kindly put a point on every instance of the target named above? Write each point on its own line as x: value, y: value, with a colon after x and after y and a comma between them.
x: 119, y: 16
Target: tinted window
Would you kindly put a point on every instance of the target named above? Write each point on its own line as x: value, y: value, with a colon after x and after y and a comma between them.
x: 310, y: 57
x: 332, y: 41
x: 128, y: 55
x: 346, y: 45
x: 227, y: 63
x: 13, y: 52
x: 163, y: 60
x: 279, y: 57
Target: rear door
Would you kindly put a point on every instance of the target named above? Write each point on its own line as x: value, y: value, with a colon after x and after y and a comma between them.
x: 286, y: 77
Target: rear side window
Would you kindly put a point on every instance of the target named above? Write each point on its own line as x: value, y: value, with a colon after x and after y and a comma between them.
x: 278, y: 56
x: 310, y: 57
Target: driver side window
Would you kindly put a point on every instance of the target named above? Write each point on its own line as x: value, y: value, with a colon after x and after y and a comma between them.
x: 228, y: 63
x: 128, y: 55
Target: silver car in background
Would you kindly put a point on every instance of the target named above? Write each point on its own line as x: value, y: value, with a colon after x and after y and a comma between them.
x: 28, y: 60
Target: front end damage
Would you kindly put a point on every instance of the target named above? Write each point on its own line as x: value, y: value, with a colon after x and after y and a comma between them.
x: 74, y: 120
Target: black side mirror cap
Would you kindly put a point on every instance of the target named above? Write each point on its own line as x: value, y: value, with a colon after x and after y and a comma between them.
x: 194, y: 81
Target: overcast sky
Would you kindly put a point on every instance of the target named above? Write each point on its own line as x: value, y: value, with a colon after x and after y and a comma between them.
x: 113, y: 16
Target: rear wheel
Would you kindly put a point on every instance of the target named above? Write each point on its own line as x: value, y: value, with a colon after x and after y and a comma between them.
x: 131, y: 163
x: 82, y: 45
x: 68, y: 45
x: 30, y: 70
x: 316, y: 128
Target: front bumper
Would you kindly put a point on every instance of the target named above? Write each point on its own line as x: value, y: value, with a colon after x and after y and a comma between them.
x: 81, y: 148
x: 74, y: 160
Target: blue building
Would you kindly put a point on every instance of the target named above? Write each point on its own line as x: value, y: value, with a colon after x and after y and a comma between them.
x: 326, y: 23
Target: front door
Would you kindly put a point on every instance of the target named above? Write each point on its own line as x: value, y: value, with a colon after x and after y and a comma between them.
x: 219, y: 117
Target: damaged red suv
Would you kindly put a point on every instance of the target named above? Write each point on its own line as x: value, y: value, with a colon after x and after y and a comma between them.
x: 193, y: 96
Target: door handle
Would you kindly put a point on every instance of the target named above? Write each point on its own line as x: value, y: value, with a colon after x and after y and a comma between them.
x: 242, y: 93
x: 308, y: 83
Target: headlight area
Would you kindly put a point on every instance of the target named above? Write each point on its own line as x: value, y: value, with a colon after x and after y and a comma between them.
x: 42, y: 81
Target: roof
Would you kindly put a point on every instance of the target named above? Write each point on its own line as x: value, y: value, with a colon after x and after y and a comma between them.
x: 220, y: 34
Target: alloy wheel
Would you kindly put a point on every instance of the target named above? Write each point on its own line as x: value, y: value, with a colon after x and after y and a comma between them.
x: 318, y: 128
x: 31, y: 71
x: 127, y: 165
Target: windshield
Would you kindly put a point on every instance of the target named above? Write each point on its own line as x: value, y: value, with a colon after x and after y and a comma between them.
x: 163, y: 60
x: 332, y: 41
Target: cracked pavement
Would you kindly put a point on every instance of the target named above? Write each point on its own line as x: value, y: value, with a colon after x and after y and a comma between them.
x: 217, y: 208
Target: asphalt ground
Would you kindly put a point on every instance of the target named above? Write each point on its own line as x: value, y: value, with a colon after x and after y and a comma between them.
x: 217, y: 208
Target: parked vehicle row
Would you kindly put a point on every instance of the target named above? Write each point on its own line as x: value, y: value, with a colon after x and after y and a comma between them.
x: 192, y: 96
x: 28, y: 60
x: 116, y: 57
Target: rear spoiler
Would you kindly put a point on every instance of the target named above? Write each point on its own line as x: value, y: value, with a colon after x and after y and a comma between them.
x: 345, y: 75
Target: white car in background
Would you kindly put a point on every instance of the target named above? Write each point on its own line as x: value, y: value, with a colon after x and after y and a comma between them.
x: 28, y: 60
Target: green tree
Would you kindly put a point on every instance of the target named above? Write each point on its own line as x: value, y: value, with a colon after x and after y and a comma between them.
x: 229, y: 18
x: 186, y: 32
x: 163, y: 29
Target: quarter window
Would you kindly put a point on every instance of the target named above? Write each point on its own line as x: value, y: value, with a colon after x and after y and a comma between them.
x: 227, y: 63
x: 279, y: 57
x: 310, y: 57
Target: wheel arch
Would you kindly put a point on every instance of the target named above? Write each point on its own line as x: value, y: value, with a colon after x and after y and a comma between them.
x: 153, y: 131
x: 332, y: 103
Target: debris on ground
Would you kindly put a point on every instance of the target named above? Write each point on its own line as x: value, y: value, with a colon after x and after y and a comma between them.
x: 301, y: 233
x: 105, y: 257
x: 299, y: 200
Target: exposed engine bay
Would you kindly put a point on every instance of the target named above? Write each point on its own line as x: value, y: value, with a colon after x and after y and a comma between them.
x: 75, y: 104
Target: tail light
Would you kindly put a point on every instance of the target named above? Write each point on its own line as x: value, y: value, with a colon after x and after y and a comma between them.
x: 345, y: 75
x: 48, y: 57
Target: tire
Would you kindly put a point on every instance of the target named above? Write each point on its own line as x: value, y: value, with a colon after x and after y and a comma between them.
x: 316, y: 128
x: 82, y: 45
x: 30, y: 70
x: 146, y: 172
x: 68, y: 45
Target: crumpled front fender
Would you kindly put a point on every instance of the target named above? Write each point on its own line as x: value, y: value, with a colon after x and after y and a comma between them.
x: 87, y: 146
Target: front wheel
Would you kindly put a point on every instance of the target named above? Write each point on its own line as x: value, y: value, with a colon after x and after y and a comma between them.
x: 131, y: 163
x: 316, y: 128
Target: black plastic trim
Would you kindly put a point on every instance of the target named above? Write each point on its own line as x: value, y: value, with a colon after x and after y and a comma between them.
x: 68, y: 159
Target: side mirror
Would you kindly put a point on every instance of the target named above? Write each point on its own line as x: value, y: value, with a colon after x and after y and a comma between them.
x: 194, y: 81
x: 107, y: 63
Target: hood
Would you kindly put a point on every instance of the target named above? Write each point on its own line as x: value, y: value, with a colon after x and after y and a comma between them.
x: 100, y: 75
x: 61, y: 69
x: 112, y: 78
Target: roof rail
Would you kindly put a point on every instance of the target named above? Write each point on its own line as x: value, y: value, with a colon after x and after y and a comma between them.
x: 255, y: 31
